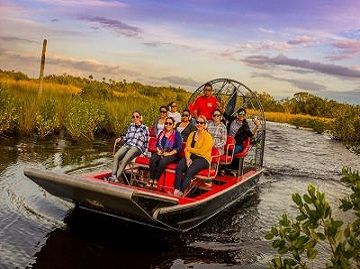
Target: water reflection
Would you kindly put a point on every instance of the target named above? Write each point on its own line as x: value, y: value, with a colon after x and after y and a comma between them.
x: 93, y: 241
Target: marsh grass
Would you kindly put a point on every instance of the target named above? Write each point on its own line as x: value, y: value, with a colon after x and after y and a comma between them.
x: 318, y: 124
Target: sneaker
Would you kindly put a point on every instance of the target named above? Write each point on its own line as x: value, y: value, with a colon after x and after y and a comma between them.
x: 178, y: 193
x: 112, y: 178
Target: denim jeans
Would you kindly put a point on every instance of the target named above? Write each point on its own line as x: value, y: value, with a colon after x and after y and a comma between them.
x: 159, y: 163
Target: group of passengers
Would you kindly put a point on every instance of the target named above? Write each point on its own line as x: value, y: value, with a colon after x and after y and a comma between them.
x: 201, y: 127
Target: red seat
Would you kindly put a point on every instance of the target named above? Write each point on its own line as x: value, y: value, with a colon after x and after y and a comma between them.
x: 228, y: 155
x: 152, y: 144
x: 211, y: 172
x: 143, y: 160
x: 245, y: 150
x: 152, y: 132
x: 242, y: 154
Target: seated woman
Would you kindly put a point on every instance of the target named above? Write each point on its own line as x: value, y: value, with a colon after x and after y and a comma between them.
x: 239, y: 128
x: 168, y: 146
x: 197, y: 156
x: 185, y: 127
x: 173, y: 112
x: 135, y: 143
x: 159, y: 123
x: 218, y: 131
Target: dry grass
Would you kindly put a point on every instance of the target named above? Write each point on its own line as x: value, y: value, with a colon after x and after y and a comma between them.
x: 287, y: 117
x: 33, y: 86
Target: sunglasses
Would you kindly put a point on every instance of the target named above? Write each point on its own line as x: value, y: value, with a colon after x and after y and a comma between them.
x: 200, y: 122
x: 216, y: 115
x: 163, y: 111
x: 135, y: 116
x: 168, y: 123
x: 241, y: 114
x: 185, y: 115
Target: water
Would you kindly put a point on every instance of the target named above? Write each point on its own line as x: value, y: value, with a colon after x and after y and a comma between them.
x: 38, y: 230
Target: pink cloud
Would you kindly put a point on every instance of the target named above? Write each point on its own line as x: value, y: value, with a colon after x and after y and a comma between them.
x: 348, y: 46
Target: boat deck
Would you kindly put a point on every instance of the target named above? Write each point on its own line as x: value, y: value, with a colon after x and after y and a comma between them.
x: 199, y: 189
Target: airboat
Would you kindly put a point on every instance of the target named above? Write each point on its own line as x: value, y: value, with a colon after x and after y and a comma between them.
x: 158, y: 207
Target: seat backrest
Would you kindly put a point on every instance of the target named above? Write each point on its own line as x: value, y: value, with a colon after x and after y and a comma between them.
x: 152, y: 132
x: 230, y: 142
x: 152, y: 144
x: 215, y: 155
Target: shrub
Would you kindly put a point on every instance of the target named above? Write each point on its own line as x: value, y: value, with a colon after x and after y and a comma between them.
x: 8, y: 111
x: 296, y: 239
x: 47, y: 120
x: 83, y: 118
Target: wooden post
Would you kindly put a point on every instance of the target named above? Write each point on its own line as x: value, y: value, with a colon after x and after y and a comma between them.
x: 42, y: 66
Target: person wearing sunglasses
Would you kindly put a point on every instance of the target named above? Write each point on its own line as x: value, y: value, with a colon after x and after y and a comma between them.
x: 204, y: 104
x: 218, y: 131
x: 238, y: 127
x: 159, y: 123
x: 168, y: 146
x: 185, y: 127
x: 197, y: 156
x: 173, y: 112
x: 135, y: 143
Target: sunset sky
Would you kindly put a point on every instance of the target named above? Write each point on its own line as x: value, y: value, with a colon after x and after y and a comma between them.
x: 278, y: 46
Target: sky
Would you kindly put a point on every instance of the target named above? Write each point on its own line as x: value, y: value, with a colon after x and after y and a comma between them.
x: 278, y: 46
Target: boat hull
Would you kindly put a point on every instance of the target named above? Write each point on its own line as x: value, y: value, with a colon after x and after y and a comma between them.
x: 140, y: 205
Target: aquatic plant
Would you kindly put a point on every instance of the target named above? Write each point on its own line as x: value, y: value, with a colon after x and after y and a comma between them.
x: 296, y: 239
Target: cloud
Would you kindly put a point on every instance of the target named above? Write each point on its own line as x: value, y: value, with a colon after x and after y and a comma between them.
x: 61, y: 63
x: 180, y: 81
x: 348, y: 46
x: 302, y: 40
x: 84, y: 3
x: 116, y: 25
x: 281, y: 60
x: 16, y: 39
x: 301, y: 84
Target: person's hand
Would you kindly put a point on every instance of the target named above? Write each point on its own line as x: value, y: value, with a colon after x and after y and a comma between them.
x: 188, y: 162
x: 118, y: 140
x: 166, y: 154
x: 159, y: 152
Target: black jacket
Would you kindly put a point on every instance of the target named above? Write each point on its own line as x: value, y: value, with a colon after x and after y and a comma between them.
x: 243, y: 132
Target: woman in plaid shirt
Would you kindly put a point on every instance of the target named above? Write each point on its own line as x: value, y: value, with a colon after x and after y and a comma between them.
x: 135, y: 143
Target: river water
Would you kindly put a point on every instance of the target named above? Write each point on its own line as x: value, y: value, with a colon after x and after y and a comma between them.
x: 38, y: 230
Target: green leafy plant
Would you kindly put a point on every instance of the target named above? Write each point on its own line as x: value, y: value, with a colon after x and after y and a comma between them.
x: 296, y: 240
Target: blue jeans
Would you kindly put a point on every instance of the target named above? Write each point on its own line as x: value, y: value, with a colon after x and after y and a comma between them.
x: 238, y: 148
x: 159, y: 163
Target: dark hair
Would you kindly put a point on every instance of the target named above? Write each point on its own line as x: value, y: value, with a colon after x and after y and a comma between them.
x: 172, y: 119
x: 165, y: 107
x: 217, y: 110
x: 207, y: 85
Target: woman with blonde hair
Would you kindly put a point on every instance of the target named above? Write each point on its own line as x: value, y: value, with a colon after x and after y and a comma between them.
x: 197, y: 156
